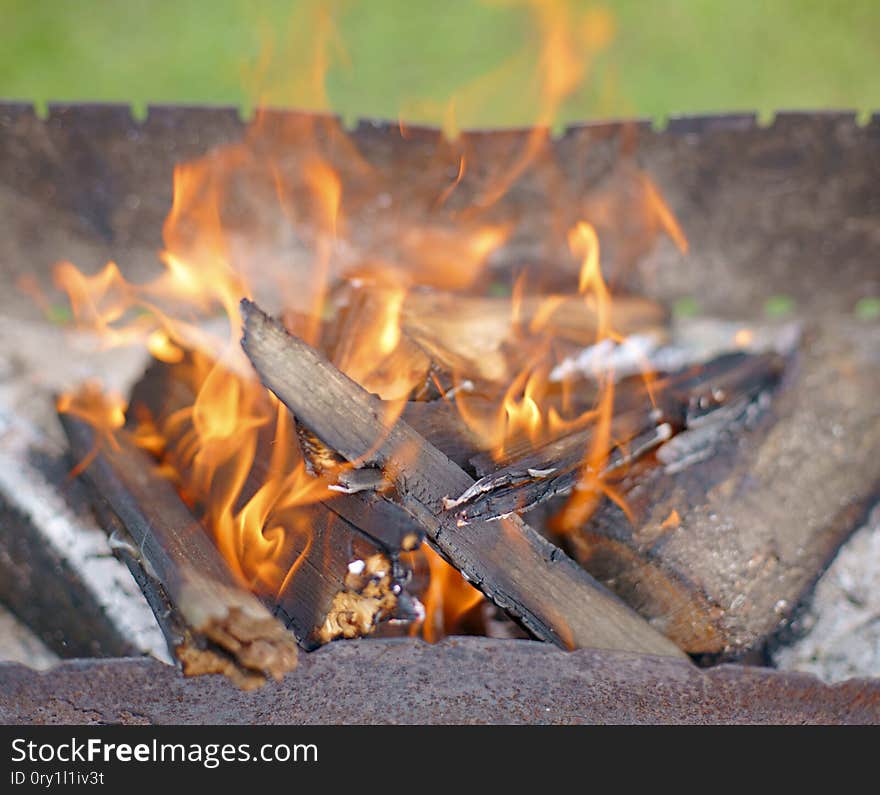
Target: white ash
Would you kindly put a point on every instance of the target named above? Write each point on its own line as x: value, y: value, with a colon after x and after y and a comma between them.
x: 19, y: 644
x: 357, y: 567
x: 42, y: 361
x: 841, y: 627
x: 696, y: 340
x: 77, y: 539
x: 606, y: 356
x: 691, y: 341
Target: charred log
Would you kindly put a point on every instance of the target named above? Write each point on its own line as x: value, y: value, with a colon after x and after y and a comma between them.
x: 214, y: 624
x: 680, y: 401
x: 734, y: 520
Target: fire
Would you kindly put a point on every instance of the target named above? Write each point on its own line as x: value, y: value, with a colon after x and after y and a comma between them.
x: 570, y: 41
x: 447, y: 599
x: 391, y: 294
x: 447, y: 191
x: 672, y: 521
x: 530, y: 407
x: 592, y: 485
x: 216, y: 433
x: 104, y: 411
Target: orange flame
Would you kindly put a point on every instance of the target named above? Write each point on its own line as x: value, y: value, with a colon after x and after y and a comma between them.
x: 529, y: 407
x: 216, y: 437
x: 104, y: 411
x: 447, y: 599
x: 592, y: 486
x: 570, y: 39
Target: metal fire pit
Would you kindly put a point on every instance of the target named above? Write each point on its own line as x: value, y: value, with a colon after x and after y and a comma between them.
x: 792, y: 209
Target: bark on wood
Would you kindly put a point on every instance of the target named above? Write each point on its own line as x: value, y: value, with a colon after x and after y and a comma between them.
x: 226, y: 628
x: 323, y: 600
x: 514, y: 566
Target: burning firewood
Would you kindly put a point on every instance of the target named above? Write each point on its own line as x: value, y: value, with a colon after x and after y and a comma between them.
x: 555, y: 468
x: 717, y: 584
x: 446, y: 318
x: 344, y: 549
x: 625, y: 542
x: 477, y: 337
x: 213, y: 624
x: 166, y: 389
x: 513, y: 565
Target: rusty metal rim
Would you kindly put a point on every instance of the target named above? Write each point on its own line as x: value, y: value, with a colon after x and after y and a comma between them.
x: 461, y: 680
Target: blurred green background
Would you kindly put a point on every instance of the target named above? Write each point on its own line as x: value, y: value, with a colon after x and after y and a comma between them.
x: 468, y: 62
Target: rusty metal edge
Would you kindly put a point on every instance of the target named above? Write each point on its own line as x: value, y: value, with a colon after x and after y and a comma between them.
x: 461, y: 680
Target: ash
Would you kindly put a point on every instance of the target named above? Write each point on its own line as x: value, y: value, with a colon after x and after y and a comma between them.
x: 840, y: 631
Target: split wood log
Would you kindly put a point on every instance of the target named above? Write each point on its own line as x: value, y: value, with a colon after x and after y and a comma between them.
x: 352, y: 341
x: 629, y: 554
x: 737, y: 517
x: 217, y: 625
x: 513, y: 565
x: 680, y: 401
x: 345, y: 549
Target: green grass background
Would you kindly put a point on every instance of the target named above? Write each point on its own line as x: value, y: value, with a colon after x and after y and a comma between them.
x: 410, y: 57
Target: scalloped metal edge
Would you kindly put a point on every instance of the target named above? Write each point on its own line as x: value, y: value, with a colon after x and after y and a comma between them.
x: 168, y: 115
